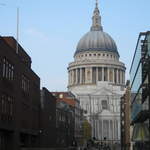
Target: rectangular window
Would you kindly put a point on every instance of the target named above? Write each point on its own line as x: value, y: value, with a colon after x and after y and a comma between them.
x: 8, y: 69
x: 25, y: 84
x: 6, y: 107
x: 3, y: 141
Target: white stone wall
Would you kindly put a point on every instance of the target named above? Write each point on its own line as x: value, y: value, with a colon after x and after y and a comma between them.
x: 105, y: 122
x: 91, y: 92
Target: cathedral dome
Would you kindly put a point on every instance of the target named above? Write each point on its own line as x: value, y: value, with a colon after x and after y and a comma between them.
x: 96, y: 41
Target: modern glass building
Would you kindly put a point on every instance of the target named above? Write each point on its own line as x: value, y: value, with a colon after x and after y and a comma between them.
x: 140, y: 93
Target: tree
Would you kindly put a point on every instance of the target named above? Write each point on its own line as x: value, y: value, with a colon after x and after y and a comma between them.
x: 87, y: 129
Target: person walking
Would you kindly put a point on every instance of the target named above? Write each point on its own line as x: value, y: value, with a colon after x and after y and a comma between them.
x: 74, y: 144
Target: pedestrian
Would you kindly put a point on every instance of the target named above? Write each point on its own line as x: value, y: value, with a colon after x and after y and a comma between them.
x: 74, y: 144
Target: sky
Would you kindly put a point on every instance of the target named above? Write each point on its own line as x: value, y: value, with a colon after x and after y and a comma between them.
x: 49, y: 31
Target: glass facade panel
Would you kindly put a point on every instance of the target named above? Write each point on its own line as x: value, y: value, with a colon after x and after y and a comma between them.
x: 137, y: 105
x: 139, y: 91
x: 137, y: 80
x: 136, y: 60
x: 148, y: 40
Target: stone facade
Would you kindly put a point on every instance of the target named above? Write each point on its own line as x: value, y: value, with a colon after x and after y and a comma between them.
x: 92, y: 67
x: 97, y: 79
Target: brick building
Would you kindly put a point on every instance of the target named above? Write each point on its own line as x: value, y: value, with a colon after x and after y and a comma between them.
x: 19, y: 98
x: 65, y: 118
x: 74, y: 103
x: 125, y: 118
x: 48, y: 119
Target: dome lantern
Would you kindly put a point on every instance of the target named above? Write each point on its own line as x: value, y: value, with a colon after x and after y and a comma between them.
x: 96, y: 25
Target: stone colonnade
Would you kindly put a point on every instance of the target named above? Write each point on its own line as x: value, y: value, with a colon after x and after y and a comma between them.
x: 93, y: 74
x: 105, y: 127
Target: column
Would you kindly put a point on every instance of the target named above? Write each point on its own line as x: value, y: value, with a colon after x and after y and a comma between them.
x: 94, y: 126
x: 117, y: 76
x: 97, y: 128
x: 109, y: 130
x: 76, y: 72
x: 102, y: 73
x: 71, y: 74
x: 113, y: 75
x: 80, y: 75
x: 120, y: 76
x: 102, y: 130
x: 91, y: 77
x: 118, y: 129
x: 83, y: 75
x: 72, y: 79
x: 115, y: 134
x: 98, y: 131
x: 123, y: 77
x: 108, y: 69
x: 74, y: 76
x: 96, y: 74
x: 69, y: 77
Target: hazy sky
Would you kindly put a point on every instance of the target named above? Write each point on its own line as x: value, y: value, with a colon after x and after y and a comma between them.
x: 51, y: 29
